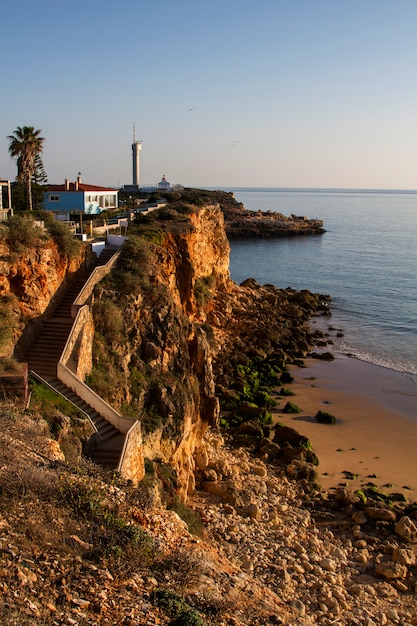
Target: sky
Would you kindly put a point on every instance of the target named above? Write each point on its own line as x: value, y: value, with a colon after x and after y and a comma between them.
x: 223, y: 93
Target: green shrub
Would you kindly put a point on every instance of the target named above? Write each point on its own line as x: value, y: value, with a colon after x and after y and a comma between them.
x: 9, y: 318
x: 108, y: 319
x: 68, y: 246
x: 203, y: 289
x: 176, y: 607
x: 115, y: 537
x: 154, y: 235
x: 189, y: 516
x: 47, y: 402
x: 23, y: 234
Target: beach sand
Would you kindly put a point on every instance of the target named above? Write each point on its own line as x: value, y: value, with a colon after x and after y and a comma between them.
x: 375, y: 435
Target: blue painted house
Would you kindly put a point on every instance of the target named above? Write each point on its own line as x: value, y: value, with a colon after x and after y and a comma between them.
x: 79, y: 197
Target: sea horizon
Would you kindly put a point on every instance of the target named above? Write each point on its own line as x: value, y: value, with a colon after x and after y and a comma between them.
x: 315, y: 189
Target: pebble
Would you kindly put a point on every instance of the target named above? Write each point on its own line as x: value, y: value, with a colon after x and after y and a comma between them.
x: 318, y: 564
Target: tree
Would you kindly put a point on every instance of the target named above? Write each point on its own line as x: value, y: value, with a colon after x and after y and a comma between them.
x: 39, y: 175
x: 39, y: 183
x: 26, y: 146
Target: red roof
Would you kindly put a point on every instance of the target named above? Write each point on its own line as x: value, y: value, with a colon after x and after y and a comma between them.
x: 81, y: 187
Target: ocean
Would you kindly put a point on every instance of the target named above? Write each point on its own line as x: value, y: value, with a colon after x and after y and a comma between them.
x: 366, y: 261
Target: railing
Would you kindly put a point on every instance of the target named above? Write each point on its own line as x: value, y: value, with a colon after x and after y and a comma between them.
x: 131, y: 463
x: 123, y: 424
x: 97, y: 274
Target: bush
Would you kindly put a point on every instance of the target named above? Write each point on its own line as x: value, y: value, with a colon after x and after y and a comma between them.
x: 203, y: 289
x: 68, y: 245
x: 176, y: 607
x: 9, y: 318
x: 154, y: 235
x: 108, y: 319
x: 189, y: 516
x: 115, y: 536
x: 9, y: 365
x: 22, y: 233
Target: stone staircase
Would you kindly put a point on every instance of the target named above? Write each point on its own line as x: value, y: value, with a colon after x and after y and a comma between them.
x: 43, y: 356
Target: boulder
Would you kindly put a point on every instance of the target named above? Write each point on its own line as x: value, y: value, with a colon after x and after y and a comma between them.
x: 221, y: 490
x: 404, y: 556
x: 323, y: 356
x: 271, y: 449
x: 390, y: 570
x: 325, y: 418
x: 344, y: 496
x: 288, y: 435
x: 381, y: 514
x: 300, y: 470
x: 406, y: 529
x: 252, y: 428
x: 290, y: 407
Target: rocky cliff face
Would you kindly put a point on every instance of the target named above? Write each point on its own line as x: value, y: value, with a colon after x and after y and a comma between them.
x: 172, y: 328
x: 31, y: 280
x: 153, y: 353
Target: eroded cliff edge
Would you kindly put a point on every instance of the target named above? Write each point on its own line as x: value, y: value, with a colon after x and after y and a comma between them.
x: 172, y: 330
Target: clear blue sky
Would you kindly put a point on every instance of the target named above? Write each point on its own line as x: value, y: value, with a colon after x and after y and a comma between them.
x: 284, y: 93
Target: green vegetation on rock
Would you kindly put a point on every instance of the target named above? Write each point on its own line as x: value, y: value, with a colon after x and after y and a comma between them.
x: 325, y: 418
x: 291, y: 408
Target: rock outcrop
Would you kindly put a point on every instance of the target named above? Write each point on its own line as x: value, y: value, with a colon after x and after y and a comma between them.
x: 81, y: 546
x: 32, y: 280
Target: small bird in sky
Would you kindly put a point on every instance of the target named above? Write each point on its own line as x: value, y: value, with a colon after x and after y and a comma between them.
x: 192, y: 109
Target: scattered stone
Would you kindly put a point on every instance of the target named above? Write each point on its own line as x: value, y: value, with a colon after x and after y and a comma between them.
x: 391, y: 570
x: 406, y: 529
x: 386, y: 515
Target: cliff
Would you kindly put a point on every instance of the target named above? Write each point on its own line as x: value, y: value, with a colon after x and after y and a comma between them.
x: 179, y: 346
x: 172, y: 330
x: 242, y: 223
x: 37, y: 264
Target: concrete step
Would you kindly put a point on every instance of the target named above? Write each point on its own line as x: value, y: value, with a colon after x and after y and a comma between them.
x: 43, y: 357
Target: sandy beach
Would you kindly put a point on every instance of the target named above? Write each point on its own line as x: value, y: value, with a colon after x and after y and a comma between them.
x: 375, y: 436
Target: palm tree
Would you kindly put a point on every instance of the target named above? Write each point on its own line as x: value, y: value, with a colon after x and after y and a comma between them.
x: 26, y: 145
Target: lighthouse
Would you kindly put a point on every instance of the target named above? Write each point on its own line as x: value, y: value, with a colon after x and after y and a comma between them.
x: 136, y: 148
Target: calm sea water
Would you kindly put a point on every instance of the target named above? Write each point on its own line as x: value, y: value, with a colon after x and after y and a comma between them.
x: 367, y: 262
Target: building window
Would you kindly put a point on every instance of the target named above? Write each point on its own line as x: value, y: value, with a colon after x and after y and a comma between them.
x: 54, y: 198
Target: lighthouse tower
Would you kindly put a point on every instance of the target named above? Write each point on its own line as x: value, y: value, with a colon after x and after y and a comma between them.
x: 136, y: 148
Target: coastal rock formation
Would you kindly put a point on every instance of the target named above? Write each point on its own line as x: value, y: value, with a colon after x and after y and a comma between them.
x: 242, y: 223
x: 171, y: 327
x: 188, y: 327
x: 78, y: 545
x: 34, y: 271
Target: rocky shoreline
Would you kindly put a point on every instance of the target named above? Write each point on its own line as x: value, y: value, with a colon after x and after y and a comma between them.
x: 78, y: 545
x: 241, y: 223
x: 332, y: 559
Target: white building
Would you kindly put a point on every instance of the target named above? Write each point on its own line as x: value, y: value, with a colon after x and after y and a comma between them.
x: 164, y: 185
